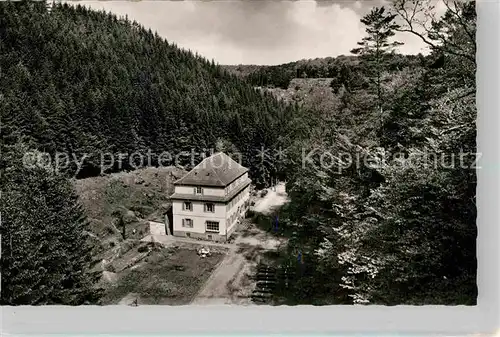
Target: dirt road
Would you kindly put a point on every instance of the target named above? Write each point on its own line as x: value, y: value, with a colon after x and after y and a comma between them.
x: 272, y: 200
x: 229, y: 283
x: 215, y: 289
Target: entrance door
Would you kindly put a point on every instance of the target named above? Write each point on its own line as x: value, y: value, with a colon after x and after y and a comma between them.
x: 169, y: 223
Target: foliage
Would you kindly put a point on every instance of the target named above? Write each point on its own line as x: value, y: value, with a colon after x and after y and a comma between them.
x: 397, y: 226
x: 46, y: 249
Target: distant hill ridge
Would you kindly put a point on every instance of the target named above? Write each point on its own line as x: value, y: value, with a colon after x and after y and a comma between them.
x: 328, y: 67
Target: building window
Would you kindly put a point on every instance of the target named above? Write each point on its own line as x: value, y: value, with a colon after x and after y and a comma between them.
x: 210, y: 208
x: 212, y: 226
x: 188, y: 223
x: 198, y: 190
x: 187, y: 206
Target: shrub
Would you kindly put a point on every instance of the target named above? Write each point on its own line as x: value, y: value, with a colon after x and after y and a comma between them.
x: 109, y: 267
x: 142, y: 249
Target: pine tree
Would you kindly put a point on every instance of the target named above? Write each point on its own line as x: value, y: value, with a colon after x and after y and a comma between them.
x: 46, y: 251
x: 375, y: 47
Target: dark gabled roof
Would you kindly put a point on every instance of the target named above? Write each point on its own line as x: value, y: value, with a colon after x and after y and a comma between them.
x: 217, y: 170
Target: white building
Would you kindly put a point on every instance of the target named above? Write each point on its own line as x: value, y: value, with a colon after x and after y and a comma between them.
x: 210, y: 199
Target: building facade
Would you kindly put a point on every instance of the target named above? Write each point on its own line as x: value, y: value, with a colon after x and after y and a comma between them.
x: 209, y: 201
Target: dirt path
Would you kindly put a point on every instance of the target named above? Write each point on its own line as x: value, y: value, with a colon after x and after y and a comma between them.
x: 215, y: 289
x: 271, y: 200
x: 229, y: 283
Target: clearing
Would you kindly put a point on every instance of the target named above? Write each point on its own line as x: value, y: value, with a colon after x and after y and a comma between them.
x: 156, y: 269
x: 136, y: 197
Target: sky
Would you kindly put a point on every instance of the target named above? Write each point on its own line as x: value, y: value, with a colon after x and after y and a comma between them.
x: 256, y: 31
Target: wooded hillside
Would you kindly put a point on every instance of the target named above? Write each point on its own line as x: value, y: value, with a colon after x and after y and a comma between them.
x: 87, y: 82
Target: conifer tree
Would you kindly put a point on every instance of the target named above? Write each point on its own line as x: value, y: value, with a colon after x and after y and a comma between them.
x: 46, y: 250
x: 375, y: 47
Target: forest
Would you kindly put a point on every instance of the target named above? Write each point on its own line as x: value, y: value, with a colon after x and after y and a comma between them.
x: 384, y: 210
x: 393, y: 229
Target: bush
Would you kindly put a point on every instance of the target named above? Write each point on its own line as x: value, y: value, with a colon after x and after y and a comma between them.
x: 249, y: 214
x: 142, y: 249
x: 128, y: 245
x: 262, y: 221
x: 129, y: 217
x: 109, y: 267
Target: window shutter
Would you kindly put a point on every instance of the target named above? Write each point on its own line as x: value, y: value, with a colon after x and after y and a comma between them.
x: 194, y: 188
x: 183, y: 222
